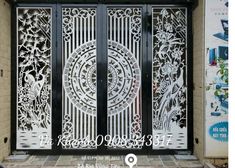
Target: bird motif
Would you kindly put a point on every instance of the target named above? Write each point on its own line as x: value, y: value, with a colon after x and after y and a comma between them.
x: 35, y: 86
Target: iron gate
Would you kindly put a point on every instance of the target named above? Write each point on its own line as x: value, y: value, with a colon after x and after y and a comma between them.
x: 87, y: 74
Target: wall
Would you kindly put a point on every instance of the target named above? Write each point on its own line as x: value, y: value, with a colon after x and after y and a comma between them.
x: 5, y: 82
x: 199, y: 90
x: 198, y: 94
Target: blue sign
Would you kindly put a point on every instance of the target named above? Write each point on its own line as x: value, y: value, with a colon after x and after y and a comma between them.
x: 219, y: 131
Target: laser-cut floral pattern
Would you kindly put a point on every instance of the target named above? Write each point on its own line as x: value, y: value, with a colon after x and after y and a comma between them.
x: 169, y: 67
x: 34, y: 69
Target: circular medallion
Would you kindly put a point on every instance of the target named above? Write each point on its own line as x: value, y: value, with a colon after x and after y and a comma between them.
x: 124, y: 77
x: 79, y: 77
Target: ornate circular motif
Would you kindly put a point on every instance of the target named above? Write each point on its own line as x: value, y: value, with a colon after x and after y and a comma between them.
x: 79, y: 77
x: 124, y: 77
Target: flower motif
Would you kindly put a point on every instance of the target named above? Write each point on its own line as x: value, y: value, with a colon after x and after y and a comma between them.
x: 164, y: 37
x: 164, y: 12
x: 169, y: 69
x: 44, y: 97
x: 177, y: 52
x: 24, y: 99
x: 168, y: 27
x: 45, y: 94
x: 179, y: 16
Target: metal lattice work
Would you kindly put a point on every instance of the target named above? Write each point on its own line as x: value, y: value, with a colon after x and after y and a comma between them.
x: 169, y: 31
x: 75, y: 32
x: 124, y: 74
x: 34, y: 77
x: 79, y: 76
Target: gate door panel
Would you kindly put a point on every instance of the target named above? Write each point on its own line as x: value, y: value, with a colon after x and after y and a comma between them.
x: 79, y: 116
x: 124, y: 74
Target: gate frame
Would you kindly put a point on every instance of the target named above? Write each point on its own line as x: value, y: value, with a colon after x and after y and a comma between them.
x: 101, y: 76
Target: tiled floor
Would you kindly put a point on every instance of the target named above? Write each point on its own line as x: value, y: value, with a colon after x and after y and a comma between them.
x: 69, y: 161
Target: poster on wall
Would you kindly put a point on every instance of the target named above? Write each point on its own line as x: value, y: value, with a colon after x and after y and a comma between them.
x: 216, y: 78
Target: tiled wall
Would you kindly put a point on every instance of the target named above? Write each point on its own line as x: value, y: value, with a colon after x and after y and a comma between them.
x: 5, y: 76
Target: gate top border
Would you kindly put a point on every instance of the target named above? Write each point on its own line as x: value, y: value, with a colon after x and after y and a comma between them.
x: 160, y: 2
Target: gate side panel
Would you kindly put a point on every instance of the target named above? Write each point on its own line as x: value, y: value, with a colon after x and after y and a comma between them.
x: 34, y: 96
x: 169, y: 73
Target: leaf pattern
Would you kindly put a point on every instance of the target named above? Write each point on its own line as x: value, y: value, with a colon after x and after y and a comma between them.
x: 34, y: 69
x: 169, y: 67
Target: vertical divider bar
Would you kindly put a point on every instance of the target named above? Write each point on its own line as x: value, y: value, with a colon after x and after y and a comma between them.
x: 190, y: 79
x: 57, y: 117
x: 145, y: 77
x: 102, y: 61
x: 149, y: 71
x: 54, y: 77
x: 13, y: 77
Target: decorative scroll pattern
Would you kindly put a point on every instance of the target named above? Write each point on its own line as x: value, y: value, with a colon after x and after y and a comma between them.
x: 134, y: 16
x: 34, y: 76
x: 169, y: 73
x: 136, y: 127
x: 79, y: 77
x: 69, y: 14
x: 67, y: 139
x: 124, y: 73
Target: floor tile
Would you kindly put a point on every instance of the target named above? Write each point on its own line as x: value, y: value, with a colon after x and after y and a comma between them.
x: 106, y: 161
x: 53, y: 158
